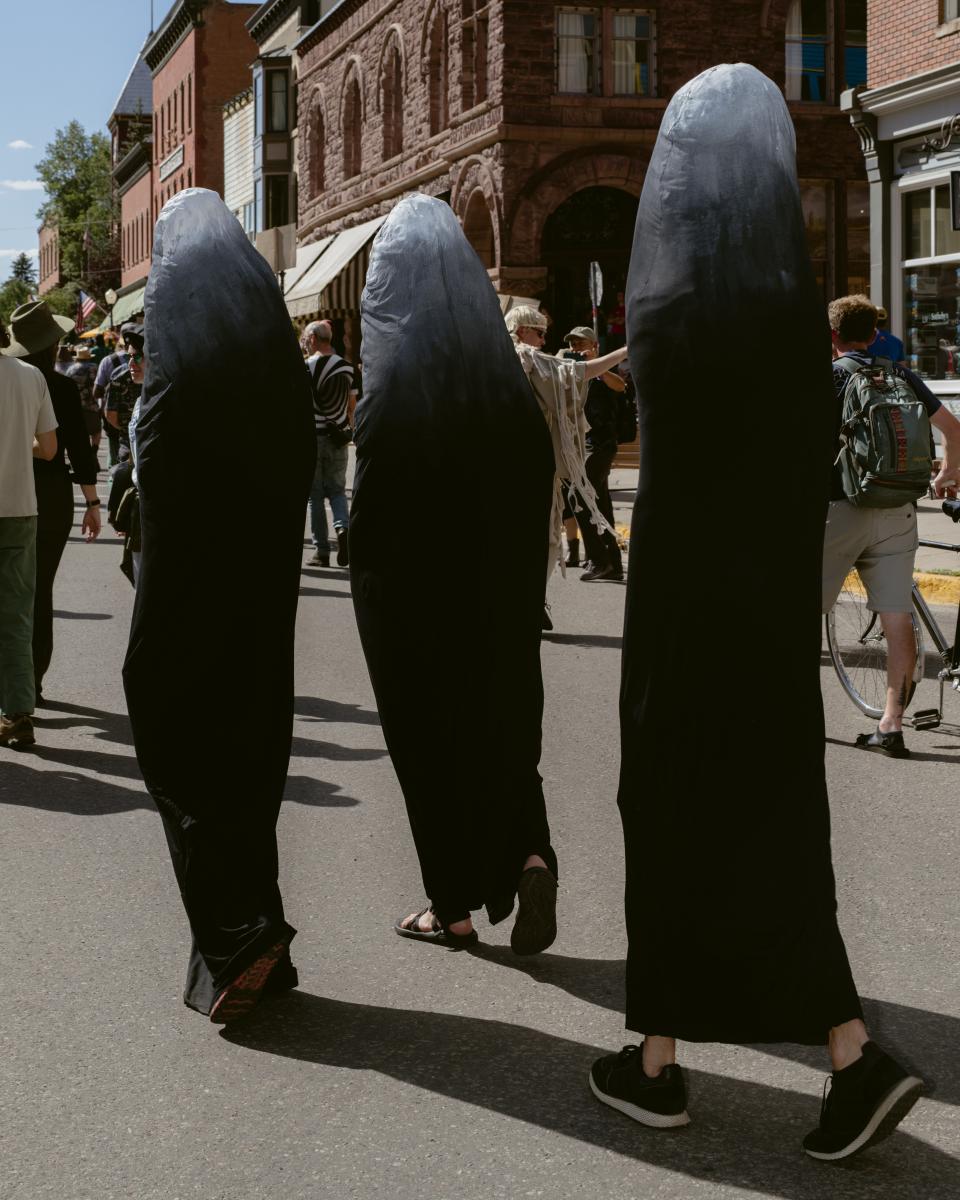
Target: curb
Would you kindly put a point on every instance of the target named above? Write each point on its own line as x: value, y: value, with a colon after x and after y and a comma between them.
x: 935, y: 589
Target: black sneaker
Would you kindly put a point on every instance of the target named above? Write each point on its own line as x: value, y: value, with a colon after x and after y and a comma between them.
x: 660, y: 1103
x: 343, y: 549
x: 598, y: 573
x: 319, y: 560
x: 865, y: 1103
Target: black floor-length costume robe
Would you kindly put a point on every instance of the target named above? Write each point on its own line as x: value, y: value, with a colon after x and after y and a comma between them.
x: 730, y: 897
x: 449, y: 434
x: 225, y: 453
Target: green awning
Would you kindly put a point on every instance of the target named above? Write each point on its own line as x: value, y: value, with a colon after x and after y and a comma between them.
x: 128, y: 306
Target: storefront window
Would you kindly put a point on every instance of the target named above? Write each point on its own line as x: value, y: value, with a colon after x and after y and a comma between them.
x: 855, y: 44
x: 578, y: 51
x: 858, y: 238
x: 815, y: 199
x: 932, y: 288
x: 807, y: 41
x: 631, y: 54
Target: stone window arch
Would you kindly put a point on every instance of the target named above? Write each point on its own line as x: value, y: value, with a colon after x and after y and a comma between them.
x: 315, y: 149
x: 391, y: 98
x: 478, y: 228
x: 352, y: 123
x: 438, y: 69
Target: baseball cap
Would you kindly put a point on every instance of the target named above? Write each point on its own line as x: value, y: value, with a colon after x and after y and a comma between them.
x: 581, y: 331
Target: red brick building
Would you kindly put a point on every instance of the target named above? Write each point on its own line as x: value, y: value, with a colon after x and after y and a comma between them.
x: 199, y: 58
x: 536, y: 122
x: 908, y: 120
x: 48, y: 261
x: 131, y: 148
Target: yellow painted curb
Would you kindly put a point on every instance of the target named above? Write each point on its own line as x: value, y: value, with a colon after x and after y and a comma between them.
x: 935, y: 589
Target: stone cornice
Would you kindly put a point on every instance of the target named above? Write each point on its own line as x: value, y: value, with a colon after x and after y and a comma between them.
x: 268, y: 16
x: 912, y: 91
x: 182, y: 17
x: 135, y: 157
x: 328, y: 22
x: 235, y: 103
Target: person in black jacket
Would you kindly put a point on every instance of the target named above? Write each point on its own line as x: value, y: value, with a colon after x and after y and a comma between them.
x: 55, y: 495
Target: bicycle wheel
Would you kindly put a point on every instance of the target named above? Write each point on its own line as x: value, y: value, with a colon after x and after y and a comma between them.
x: 858, y: 649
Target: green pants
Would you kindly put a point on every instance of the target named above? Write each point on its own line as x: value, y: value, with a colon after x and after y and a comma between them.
x: 18, y: 581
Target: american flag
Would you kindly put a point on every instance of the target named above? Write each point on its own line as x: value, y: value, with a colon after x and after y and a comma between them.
x: 85, y: 306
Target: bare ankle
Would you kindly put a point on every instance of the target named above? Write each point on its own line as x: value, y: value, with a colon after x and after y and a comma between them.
x: 846, y: 1043
x: 658, y: 1052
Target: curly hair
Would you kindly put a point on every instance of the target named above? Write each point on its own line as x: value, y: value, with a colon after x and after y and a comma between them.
x: 853, y: 318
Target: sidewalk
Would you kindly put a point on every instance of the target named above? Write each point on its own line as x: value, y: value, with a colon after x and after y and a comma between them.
x: 932, y: 522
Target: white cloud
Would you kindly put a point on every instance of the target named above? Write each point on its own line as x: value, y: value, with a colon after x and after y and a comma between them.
x: 13, y: 253
x: 22, y: 185
x: 19, y: 144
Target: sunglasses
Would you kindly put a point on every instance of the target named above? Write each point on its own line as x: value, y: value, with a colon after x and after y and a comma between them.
x: 137, y: 356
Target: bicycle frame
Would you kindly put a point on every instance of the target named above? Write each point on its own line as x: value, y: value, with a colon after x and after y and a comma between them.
x: 949, y: 655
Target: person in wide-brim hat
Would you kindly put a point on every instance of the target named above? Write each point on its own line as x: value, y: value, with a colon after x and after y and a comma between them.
x: 33, y: 327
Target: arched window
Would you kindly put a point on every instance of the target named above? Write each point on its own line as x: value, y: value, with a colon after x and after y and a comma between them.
x: 474, y: 37
x: 315, y: 147
x: 392, y: 84
x: 478, y: 228
x: 352, y: 118
x: 437, y: 72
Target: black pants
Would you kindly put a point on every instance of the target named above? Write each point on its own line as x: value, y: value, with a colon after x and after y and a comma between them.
x: 54, y: 522
x: 113, y: 438
x: 601, y: 548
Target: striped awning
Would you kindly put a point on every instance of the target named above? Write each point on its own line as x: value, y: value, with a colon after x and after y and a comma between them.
x: 331, y: 287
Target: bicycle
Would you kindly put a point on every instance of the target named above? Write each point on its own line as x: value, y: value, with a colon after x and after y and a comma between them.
x: 858, y: 648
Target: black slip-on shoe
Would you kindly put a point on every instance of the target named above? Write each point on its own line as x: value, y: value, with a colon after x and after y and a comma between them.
x: 890, y: 744
x: 865, y: 1104
x: 660, y: 1103
x: 595, y: 574
x: 318, y: 560
x: 535, y: 927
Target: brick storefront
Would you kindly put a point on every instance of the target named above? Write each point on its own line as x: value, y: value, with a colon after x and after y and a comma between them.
x: 477, y: 103
x: 908, y: 120
x: 199, y: 58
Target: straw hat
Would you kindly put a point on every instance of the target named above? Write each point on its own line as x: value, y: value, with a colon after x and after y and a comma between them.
x: 33, y: 327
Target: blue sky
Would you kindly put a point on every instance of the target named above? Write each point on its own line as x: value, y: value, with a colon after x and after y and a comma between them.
x: 58, y: 61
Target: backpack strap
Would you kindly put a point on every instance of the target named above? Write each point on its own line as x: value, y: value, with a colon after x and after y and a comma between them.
x: 851, y: 365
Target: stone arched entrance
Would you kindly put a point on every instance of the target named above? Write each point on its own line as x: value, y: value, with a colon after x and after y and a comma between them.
x: 595, y: 224
x: 478, y: 228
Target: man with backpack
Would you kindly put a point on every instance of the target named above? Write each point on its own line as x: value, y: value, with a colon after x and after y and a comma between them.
x: 882, y: 467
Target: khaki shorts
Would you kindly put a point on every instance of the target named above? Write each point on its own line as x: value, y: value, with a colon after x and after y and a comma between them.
x: 881, y: 543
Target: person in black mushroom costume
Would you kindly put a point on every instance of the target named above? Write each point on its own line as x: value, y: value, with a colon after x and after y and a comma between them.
x: 218, y: 340
x: 730, y: 897
x: 454, y: 653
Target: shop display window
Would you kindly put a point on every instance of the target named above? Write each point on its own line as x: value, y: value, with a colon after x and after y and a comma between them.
x: 931, y: 314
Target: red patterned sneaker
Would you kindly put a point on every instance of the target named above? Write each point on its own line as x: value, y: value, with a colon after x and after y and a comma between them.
x: 239, y: 997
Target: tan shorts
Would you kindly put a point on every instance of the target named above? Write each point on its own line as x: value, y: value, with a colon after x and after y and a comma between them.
x: 881, y: 543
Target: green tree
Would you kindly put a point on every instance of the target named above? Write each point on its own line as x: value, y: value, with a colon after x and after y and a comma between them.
x: 76, y: 174
x: 13, y: 293
x: 22, y: 268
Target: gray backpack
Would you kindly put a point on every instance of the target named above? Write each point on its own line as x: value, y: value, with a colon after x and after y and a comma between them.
x: 885, y: 443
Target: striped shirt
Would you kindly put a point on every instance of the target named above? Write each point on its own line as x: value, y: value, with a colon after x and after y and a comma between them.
x: 332, y: 378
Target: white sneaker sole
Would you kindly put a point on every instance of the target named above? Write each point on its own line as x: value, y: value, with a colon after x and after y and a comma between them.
x: 907, y: 1090
x: 651, y: 1119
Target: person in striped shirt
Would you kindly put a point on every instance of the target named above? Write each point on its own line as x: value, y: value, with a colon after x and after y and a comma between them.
x: 334, y: 398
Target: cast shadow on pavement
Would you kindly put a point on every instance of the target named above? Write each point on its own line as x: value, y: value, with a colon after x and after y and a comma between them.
x: 915, y: 755
x: 67, y: 792
x: 110, y: 727
x: 308, y: 748
x: 928, y: 1043
x: 312, y: 591
x: 316, y: 793
x: 746, y: 1134
x: 583, y: 639
x: 63, y: 615
x: 317, y: 708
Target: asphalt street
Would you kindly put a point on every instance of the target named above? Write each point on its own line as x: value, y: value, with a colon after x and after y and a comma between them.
x: 400, y: 1069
